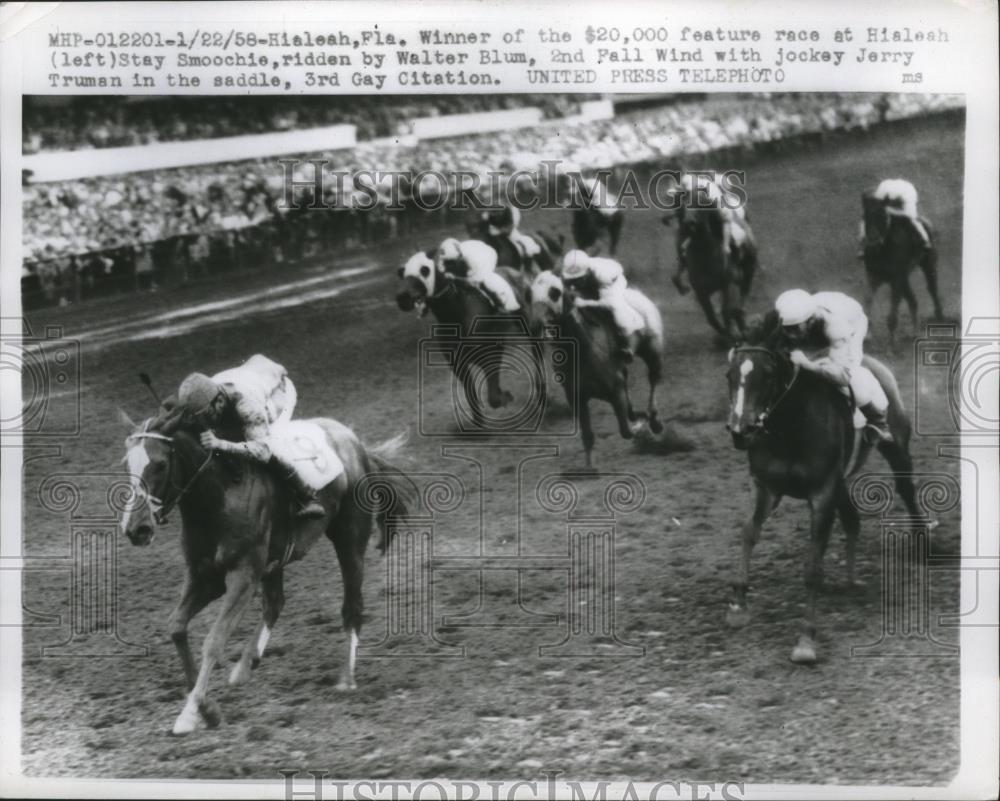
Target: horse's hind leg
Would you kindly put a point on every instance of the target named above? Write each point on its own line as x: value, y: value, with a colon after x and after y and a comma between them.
x: 901, y: 462
x: 893, y: 320
x: 911, y: 303
x: 705, y: 301
x: 239, y: 592
x: 851, y: 522
x: 928, y: 264
x: 764, y: 503
x: 586, y: 433
x: 350, y: 540
x: 654, y: 367
x: 273, y: 601
x: 822, y: 506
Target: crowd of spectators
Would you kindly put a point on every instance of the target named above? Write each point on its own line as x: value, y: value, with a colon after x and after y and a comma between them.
x: 222, y: 200
x: 118, y: 121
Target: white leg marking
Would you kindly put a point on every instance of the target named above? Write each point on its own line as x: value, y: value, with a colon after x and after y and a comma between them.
x: 347, y: 673
x: 265, y: 635
x: 189, y: 719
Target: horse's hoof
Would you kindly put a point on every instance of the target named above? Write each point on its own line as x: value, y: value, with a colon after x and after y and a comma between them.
x: 188, y: 721
x: 655, y: 425
x: 211, y: 713
x: 737, y: 616
x: 240, y: 674
x: 346, y: 684
x: 804, y: 652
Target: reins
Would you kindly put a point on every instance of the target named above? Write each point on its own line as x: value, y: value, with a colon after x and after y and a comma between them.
x: 163, y: 508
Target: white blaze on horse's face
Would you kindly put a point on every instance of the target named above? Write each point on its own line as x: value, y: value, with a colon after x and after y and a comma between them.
x: 745, y: 369
x: 137, y: 460
x: 419, y: 266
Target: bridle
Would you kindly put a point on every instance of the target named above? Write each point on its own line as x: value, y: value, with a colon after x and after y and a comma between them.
x: 160, y: 507
x: 761, y: 421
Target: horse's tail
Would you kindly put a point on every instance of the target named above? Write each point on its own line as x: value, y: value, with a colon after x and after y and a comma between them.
x: 899, y: 420
x: 389, y: 490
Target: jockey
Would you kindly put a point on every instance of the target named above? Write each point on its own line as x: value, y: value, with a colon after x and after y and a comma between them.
x: 506, y: 222
x: 242, y: 404
x: 475, y: 263
x: 827, y: 332
x: 601, y: 282
x: 900, y: 199
x: 712, y: 190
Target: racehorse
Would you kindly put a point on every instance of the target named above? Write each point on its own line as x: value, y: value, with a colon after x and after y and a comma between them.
x: 714, y: 269
x: 235, y: 518
x: 601, y: 371
x: 483, y: 226
x: 476, y: 332
x: 590, y: 225
x: 798, y: 431
x: 892, y: 250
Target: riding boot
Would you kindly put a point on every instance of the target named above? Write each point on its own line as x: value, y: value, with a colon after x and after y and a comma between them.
x: 877, y: 426
x: 305, y: 496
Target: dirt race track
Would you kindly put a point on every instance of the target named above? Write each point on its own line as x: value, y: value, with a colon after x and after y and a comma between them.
x: 680, y: 697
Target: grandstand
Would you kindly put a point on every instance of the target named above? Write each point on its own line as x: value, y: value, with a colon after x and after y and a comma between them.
x: 95, y: 232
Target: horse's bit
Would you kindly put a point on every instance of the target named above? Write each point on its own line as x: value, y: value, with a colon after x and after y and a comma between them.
x: 160, y: 508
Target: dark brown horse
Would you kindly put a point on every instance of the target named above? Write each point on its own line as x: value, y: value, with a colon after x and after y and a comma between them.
x: 716, y: 269
x: 600, y: 372
x: 235, y: 519
x: 484, y: 226
x: 798, y: 432
x: 591, y: 226
x: 892, y: 249
x: 473, y: 332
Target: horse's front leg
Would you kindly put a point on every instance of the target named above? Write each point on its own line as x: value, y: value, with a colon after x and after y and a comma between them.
x: 764, y: 502
x: 822, y: 507
x: 240, y: 583
x: 272, y: 602
x: 199, y: 591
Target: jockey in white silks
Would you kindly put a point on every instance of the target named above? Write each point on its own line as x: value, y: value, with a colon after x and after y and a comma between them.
x: 476, y: 262
x: 832, y: 326
x: 251, y: 406
x: 508, y: 224
x: 900, y: 198
x: 601, y: 282
x: 711, y: 191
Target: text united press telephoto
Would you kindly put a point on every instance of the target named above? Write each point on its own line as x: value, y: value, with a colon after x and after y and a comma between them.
x: 481, y: 401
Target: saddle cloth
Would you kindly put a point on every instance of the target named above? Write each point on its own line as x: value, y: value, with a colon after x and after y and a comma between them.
x: 303, y: 444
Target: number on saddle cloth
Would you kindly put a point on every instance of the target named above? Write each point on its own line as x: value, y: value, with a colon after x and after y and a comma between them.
x: 304, y: 445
